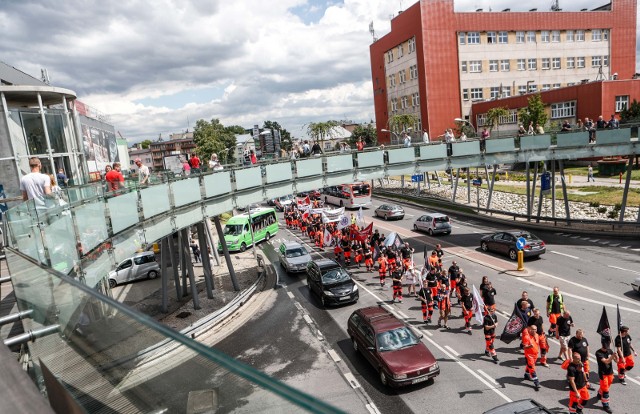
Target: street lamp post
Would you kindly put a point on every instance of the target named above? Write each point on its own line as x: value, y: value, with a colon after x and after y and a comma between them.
x: 406, y: 131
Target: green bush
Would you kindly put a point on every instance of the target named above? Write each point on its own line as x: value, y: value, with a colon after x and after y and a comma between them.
x: 613, y: 214
x: 602, y: 210
x: 594, y: 204
x: 617, y: 207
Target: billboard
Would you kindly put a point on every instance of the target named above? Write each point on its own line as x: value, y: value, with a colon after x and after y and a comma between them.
x: 99, y: 142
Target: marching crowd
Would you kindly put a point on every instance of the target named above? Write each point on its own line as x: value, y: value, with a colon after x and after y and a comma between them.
x: 436, y: 285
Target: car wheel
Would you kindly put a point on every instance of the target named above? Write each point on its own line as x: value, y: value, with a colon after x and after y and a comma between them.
x: 430, y: 231
x: 112, y: 283
x: 386, y: 217
x: 152, y: 274
x: 484, y: 247
x: 513, y: 255
x: 383, y: 378
x: 267, y: 236
x: 355, y: 344
x: 243, y: 247
x: 415, y: 227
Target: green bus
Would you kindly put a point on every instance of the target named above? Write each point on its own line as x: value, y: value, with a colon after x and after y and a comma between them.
x: 237, y: 233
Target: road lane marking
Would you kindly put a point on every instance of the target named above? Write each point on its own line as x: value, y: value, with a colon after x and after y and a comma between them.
x: 575, y: 237
x: 584, y: 238
x: 594, y: 240
x: 404, y: 316
x: 622, y: 268
x: 352, y: 380
x: 487, y: 376
x: 614, y: 245
x: 334, y: 355
x: 636, y: 250
x: 633, y: 302
x: 453, y: 351
x: 428, y: 333
x: 307, y: 319
x: 564, y: 254
x: 372, y: 408
x: 290, y: 295
x: 625, y: 247
x: 450, y: 355
x: 604, y: 242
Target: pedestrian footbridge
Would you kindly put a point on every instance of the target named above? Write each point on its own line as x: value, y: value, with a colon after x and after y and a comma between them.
x: 59, y: 255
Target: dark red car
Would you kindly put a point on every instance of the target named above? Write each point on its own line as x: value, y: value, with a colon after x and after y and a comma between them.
x: 392, y: 347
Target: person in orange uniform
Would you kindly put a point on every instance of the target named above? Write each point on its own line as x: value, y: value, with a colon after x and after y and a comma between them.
x: 605, y: 358
x: 368, y: 258
x: 382, y: 268
x: 578, y: 392
x: 536, y: 321
x: 444, y: 301
x: 579, y: 344
x: 434, y: 261
x: 625, y: 353
x: 531, y: 350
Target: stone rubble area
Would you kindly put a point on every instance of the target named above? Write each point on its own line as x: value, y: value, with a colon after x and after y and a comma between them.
x: 509, y: 202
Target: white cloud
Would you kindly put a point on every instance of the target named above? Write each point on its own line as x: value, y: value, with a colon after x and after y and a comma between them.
x: 130, y: 59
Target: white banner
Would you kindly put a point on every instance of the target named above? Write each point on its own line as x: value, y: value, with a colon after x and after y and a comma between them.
x: 330, y: 216
x: 478, y: 305
x: 344, y: 222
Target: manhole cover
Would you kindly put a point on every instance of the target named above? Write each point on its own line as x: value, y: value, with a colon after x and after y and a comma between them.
x: 183, y: 315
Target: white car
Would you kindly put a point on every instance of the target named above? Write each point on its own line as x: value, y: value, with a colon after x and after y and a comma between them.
x: 140, y: 266
x: 433, y: 223
x: 636, y: 284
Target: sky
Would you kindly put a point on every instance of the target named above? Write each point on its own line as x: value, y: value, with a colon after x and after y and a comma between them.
x: 157, y: 67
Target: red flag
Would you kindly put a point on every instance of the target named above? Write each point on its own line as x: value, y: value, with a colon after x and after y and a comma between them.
x: 364, y: 234
x: 305, y: 215
x: 303, y: 201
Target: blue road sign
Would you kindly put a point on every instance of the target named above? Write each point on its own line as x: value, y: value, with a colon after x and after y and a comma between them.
x: 417, y: 178
x: 545, y: 182
x: 521, y: 242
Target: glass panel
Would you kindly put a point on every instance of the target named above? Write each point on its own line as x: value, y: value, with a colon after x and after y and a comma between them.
x: 157, y: 230
x: 574, y: 139
x: 430, y: 152
x: 279, y: 172
x: 337, y: 179
x: 613, y: 136
x: 92, y: 226
x: 461, y: 149
x: 24, y: 231
x: 308, y: 168
x: 126, y: 244
x: 36, y: 141
x: 155, y: 200
x: 250, y: 197
x: 96, y: 268
x: 55, y: 128
x: 217, y: 183
x: 248, y: 178
x: 370, y: 159
x: 123, y: 211
x: 185, y: 191
x: 218, y: 206
x: 279, y: 190
x: 363, y: 175
x: 500, y: 145
x: 61, y: 243
x: 188, y: 217
x: 311, y: 184
x: 535, y: 142
x: 17, y: 137
x: 339, y: 163
x: 401, y: 155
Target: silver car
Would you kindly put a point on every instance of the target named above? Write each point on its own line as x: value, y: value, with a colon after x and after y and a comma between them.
x: 433, y: 223
x: 140, y: 266
x: 636, y: 284
x: 387, y: 211
x: 294, y: 257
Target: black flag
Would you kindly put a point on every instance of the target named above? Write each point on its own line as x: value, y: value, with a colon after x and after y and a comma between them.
x: 619, y: 318
x: 513, y: 327
x: 426, y: 258
x: 604, y: 328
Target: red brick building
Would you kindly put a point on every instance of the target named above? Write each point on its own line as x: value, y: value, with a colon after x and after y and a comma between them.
x: 436, y: 62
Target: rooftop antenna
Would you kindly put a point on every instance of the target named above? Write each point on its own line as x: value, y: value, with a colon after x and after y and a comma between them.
x: 600, y: 76
x: 372, y: 31
x: 555, y: 5
x: 44, y: 76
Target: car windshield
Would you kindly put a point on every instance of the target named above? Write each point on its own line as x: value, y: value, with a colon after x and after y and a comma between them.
x: 296, y: 252
x: 395, y: 208
x: 335, y: 276
x: 361, y: 190
x: 444, y: 219
x: 233, y: 229
x: 396, y: 339
x: 528, y: 236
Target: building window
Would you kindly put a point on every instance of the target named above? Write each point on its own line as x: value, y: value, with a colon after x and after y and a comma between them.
x: 390, y: 56
x: 522, y: 64
x: 532, y: 64
x: 569, y: 35
x: 544, y: 36
x: 605, y: 60
x: 596, y: 35
x: 503, y: 37
x: 493, y: 66
x: 556, y: 86
x: 531, y: 37
x: 404, y: 102
x: 570, y: 83
x: 555, y: 36
x: 473, y: 38
x: 533, y: 87
x: 392, y: 80
x: 403, y: 76
x: 605, y: 35
x: 465, y: 94
x: 505, y: 66
x: 394, y: 105
x: 546, y: 64
x: 476, y: 94
x: 412, y: 45
x: 400, y: 51
x: 415, y: 99
x: 494, y: 92
x: 596, y: 61
x: 475, y: 66
x: 413, y: 72
x: 519, y: 37
x: 522, y: 89
x: 580, y: 62
x: 563, y: 110
x: 546, y: 86
x: 622, y: 102
x: 579, y: 35
x: 555, y: 63
x: 491, y: 37
x: 506, y: 91
x: 461, y: 38
x: 463, y: 66
x: 571, y: 63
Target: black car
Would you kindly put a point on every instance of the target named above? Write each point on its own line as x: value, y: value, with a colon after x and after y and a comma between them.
x: 331, y: 283
x: 504, y: 242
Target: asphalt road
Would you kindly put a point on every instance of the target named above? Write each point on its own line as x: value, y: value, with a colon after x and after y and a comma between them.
x: 590, y: 271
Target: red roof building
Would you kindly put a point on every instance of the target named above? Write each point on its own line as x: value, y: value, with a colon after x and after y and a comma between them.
x: 436, y: 62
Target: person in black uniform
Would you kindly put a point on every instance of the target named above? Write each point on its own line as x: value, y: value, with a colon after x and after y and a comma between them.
x: 605, y: 356
x: 578, y: 392
x: 488, y: 297
x: 426, y: 302
x: 454, y: 276
x: 396, y: 277
x: 624, y: 350
x: 489, y: 324
x: 579, y: 344
x: 466, y: 300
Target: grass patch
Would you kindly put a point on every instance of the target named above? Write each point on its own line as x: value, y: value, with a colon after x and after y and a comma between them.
x: 605, y: 195
x: 635, y: 174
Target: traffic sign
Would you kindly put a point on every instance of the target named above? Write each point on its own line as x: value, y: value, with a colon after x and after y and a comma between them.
x: 521, y: 242
x: 545, y: 182
x: 477, y: 182
x: 416, y: 178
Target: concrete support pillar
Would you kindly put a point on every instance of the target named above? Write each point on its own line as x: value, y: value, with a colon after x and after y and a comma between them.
x: 528, y: 174
x: 564, y: 193
x: 175, y: 260
x: 192, y: 278
x: 225, y: 251
x: 204, y: 255
x: 553, y: 189
x: 165, y: 256
x: 455, y: 186
x: 625, y: 193
x: 493, y: 180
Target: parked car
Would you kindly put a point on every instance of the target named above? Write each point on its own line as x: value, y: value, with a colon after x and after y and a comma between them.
x: 392, y: 347
x: 331, y: 283
x: 387, y: 211
x: 504, y: 242
x: 313, y: 194
x: 282, y: 202
x: 528, y: 406
x: 433, y: 223
x: 139, y: 266
x: 636, y: 284
x: 294, y: 257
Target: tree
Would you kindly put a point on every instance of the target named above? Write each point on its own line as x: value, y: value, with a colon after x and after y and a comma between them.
x: 402, y: 122
x: 367, y: 133
x: 285, y: 136
x: 493, y: 117
x: 319, y: 131
x: 630, y: 114
x: 213, y: 137
x: 533, y: 113
x: 145, y: 144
